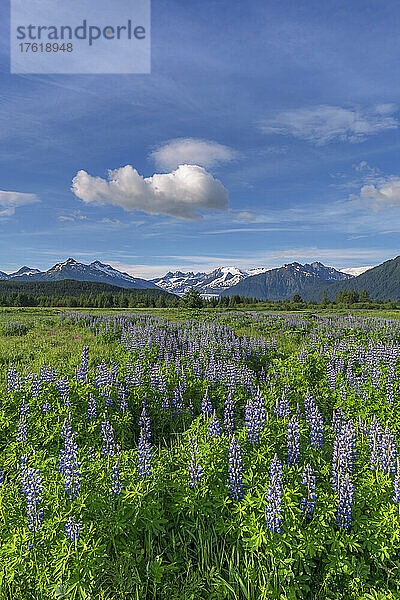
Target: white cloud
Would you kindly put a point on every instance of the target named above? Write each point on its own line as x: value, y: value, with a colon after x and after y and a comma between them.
x: 385, y: 193
x: 322, y: 124
x: 9, y: 201
x: 181, y: 193
x: 245, y: 215
x: 191, y: 151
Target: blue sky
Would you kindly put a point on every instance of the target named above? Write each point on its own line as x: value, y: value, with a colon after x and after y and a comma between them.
x: 267, y: 132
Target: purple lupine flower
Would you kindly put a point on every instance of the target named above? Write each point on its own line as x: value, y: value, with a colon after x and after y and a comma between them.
x: 315, y: 421
x: 92, y: 408
x: 73, y: 529
x: 36, y: 387
x: 116, y: 486
x: 144, y: 420
x: 293, y: 441
x: 195, y: 468
x: 282, y: 407
x: 32, y: 487
x: 308, y: 502
x: 63, y: 387
x: 339, y: 419
x: 252, y: 420
x: 107, y: 431
x: 206, y: 406
x: 214, y: 428
x: 235, y: 467
x: 274, y: 496
x: 344, y: 453
x: 91, y: 454
x: 345, y: 501
x: 388, y: 452
x: 1, y: 479
x: 144, y: 454
x: 69, y: 465
x: 229, y: 407
x: 22, y: 433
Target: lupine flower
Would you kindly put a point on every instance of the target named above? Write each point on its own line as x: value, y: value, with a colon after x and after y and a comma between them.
x: 46, y: 407
x: 388, y: 452
x: 63, y: 386
x: 282, y: 407
x: 144, y: 420
x: 92, y: 408
x: 235, y: 467
x: 229, y: 407
x: 308, y: 502
x: 195, y: 469
x: 214, y: 428
x: 22, y: 433
x: 69, y: 465
x: 206, y: 406
x: 1, y: 479
x: 293, y: 441
x: 344, y: 453
x: 315, y: 421
x: 73, y: 529
x: 144, y: 454
x: 345, y: 501
x: 252, y: 420
x: 116, y: 486
x: 32, y: 487
x: 107, y: 431
x: 274, y: 496
x: 91, y: 454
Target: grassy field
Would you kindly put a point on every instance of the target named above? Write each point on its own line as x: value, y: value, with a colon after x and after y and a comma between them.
x: 167, y: 453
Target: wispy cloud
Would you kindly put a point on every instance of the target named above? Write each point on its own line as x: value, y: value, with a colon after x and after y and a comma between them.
x: 324, y: 123
x: 9, y: 201
x: 191, y: 151
x: 183, y: 193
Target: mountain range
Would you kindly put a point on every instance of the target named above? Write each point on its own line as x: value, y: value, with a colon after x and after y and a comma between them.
x: 284, y: 282
x: 71, y: 269
x: 212, y: 283
x: 308, y: 280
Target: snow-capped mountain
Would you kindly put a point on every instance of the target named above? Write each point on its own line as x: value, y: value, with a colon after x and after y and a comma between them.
x: 71, y: 269
x: 284, y: 282
x: 206, y: 283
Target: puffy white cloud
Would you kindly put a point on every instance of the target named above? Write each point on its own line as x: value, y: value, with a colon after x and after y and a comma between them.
x: 191, y: 151
x: 245, y: 215
x: 384, y: 193
x: 181, y: 193
x: 322, y: 124
x: 9, y: 201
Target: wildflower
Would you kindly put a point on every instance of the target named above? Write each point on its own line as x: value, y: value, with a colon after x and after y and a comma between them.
x: 92, y: 408
x: 206, y: 406
x: 144, y: 420
x: 235, y: 467
x: 32, y: 487
x: 107, y: 431
x: 69, y: 465
x: 274, y: 496
x: 116, y: 486
x: 345, y: 501
x: 214, y: 428
x: 396, y: 484
x: 229, y: 413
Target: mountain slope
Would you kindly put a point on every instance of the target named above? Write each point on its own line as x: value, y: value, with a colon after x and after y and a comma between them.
x: 284, y: 282
x: 71, y: 269
x: 381, y: 282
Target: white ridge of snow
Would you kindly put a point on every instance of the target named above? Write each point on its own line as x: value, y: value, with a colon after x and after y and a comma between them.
x: 356, y: 270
